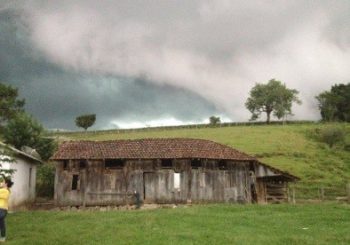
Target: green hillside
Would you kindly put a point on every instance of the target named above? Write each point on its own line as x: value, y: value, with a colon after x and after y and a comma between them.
x: 288, y: 147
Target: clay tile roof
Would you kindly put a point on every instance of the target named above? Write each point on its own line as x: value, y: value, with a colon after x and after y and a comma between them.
x: 148, y: 149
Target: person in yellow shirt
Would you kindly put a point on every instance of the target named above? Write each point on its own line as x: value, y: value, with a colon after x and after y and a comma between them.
x: 5, y: 186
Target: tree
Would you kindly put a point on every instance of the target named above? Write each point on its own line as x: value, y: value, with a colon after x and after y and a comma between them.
x: 6, y: 156
x: 45, y: 146
x: 334, y: 105
x: 214, y: 120
x: 24, y: 130
x: 85, y: 121
x: 273, y: 97
x: 10, y: 105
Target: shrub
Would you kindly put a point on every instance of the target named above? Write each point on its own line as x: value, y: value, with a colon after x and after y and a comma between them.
x: 45, y: 180
x: 332, y: 136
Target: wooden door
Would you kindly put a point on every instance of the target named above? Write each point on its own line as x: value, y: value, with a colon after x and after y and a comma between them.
x: 150, y: 182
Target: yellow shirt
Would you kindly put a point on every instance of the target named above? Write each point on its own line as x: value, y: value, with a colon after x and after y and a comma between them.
x: 4, y: 198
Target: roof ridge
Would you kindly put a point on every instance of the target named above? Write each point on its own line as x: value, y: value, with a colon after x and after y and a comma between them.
x: 141, y: 139
x: 11, y: 148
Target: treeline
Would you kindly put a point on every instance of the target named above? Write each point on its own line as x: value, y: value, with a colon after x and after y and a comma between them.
x: 274, y: 98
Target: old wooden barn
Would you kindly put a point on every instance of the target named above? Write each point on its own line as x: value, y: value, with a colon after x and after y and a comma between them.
x: 174, y: 170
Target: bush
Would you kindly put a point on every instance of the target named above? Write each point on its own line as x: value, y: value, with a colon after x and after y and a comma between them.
x: 332, y: 136
x: 45, y: 180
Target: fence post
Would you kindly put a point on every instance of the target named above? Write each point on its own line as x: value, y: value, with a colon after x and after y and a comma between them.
x: 321, y: 192
x: 293, y: 195
x: 348, y: 191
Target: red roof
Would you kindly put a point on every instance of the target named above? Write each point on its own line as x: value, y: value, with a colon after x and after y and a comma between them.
x: 172, y: 148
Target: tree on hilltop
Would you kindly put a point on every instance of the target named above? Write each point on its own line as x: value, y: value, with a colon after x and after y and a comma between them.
x: 213, y: 120
x: 85, y: 121
x: 273, y: 97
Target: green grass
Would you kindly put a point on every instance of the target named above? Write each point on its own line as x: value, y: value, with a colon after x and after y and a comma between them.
x: 211, y: 224
x: 288, y: 147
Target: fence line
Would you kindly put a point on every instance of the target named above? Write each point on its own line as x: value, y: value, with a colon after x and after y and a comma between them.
x: 189, y: 126
x: 319, y: 193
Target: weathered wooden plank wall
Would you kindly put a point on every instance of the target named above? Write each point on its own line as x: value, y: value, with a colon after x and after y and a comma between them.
x: 100, y: 186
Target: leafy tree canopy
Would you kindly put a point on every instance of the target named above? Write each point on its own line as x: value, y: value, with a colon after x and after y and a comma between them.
x: 85, y: 121
x: 213, y: 120
x: 10, y: 105
x: 24, y: 130
x: 6, y: 156
x: 334, y: 105
x: 273, y: 97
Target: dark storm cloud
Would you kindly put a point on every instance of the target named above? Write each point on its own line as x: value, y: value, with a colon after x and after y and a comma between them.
x: 56, y: 96
x: 190, y: 50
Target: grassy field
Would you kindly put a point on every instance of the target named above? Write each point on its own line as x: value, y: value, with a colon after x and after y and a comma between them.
x: 288, y: 147
x: 210, y: 224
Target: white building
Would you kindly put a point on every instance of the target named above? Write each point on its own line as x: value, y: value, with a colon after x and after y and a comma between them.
x: 24, y: 165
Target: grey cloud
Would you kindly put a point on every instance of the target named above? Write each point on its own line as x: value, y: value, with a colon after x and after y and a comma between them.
x: 337, y: 30
x: 56, y: 96
x: 215, y: 50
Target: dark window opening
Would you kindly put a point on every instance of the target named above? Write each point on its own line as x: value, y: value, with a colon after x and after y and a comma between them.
x: 251, y: 166
x: 222, y: 164
x: 82, y: 164
x: 65, y: 164
x: 114, y: 163
x: 196, y: 163
x: 167, y: 163
x: 75, y: 182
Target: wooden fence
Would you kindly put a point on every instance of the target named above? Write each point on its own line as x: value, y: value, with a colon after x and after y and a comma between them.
x: 319, y: 193
x: 188, y: 126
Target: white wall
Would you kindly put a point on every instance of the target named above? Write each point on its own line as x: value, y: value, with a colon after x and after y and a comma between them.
x: 23, y: 190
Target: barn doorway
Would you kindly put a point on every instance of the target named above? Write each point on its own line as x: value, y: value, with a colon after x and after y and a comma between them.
x: 253, y: 188
x: 149, y: 186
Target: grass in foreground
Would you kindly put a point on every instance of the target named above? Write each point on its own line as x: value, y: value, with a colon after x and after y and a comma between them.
x: 210, y: 224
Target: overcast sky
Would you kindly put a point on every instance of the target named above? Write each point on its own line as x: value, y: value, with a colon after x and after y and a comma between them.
x: 143, y: 63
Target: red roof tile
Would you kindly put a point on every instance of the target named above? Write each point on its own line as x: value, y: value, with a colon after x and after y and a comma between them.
x: 148, y: 149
